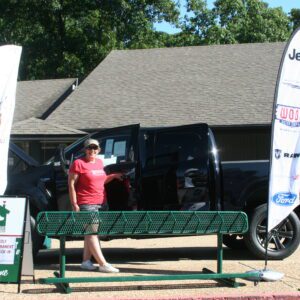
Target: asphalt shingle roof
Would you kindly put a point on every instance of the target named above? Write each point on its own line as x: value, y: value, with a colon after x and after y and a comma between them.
x: 219, y: 85
x: 33, y: 98
x: 34, y: 126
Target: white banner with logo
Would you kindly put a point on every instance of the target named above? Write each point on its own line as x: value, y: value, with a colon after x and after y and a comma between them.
x: 284, y: 185
x: 9, y: 65
x: 12, y: 223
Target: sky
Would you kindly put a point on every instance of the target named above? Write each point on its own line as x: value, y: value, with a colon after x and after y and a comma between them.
x: 287, y: 5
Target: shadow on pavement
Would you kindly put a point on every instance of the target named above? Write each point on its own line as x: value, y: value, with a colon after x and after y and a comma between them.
x: 132, y: 255
x: 125, y: 288
x: 136, y: 257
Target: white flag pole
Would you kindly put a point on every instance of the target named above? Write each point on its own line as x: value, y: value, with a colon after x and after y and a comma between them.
x: 9, y: 65
x: 284, y: 173
x: 285, y: 148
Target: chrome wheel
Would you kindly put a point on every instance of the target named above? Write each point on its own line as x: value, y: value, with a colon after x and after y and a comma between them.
x: 283, y: 240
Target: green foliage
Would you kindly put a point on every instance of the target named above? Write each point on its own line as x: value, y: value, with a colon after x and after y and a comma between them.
x: 240, y: 21
x: 295, y: 18
x: 69, y: 38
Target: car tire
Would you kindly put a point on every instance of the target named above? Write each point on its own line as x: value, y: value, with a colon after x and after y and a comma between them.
x: 234, y: 241
x: 284, y: 239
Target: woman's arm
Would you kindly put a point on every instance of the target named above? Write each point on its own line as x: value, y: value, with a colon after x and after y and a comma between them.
x: 72, y: 192
x: 109, y: 178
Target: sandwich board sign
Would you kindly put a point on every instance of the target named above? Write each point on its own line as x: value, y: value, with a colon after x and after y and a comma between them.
x: 12, y: 227
x: 27, y: 263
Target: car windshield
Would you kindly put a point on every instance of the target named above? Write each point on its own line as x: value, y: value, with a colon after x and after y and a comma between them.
x: 115, y: 145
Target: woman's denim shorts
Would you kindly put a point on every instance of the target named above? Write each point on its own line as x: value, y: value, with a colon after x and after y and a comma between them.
x: 93, y: 207
x: 92, y: 225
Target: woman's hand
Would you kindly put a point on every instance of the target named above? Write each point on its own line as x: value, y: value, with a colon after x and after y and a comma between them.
x: 75, y: 207
x: 118, y: 176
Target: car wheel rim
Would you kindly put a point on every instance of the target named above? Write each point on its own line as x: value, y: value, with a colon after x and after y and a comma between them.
x: 279, y: 238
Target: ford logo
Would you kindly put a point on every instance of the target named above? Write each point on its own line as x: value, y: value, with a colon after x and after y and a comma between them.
x: 284, y: 199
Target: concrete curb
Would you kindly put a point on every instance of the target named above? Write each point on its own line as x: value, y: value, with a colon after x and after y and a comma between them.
x: 259, y: 296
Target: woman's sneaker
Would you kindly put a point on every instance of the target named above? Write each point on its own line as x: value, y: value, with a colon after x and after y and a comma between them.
x: 88, y: 265
x: 108, y: 268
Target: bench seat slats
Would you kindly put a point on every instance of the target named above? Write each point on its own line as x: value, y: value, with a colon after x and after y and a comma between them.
x: 130, y: 223
x: 137, y: 223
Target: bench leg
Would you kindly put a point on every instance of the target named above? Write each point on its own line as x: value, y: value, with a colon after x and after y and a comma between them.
x: 62, y: 266
x: 227, y: 281
x: 220, y: 253
x: 65, y: 286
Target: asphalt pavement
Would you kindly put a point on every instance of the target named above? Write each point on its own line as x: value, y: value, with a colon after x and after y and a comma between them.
x: 179, y: 255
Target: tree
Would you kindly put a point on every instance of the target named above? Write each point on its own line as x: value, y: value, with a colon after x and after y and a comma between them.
x: 295, y: 18
x: 240, y: 21
x: 68, y: 38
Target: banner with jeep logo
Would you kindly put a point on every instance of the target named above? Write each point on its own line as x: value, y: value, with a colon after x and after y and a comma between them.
x: 9, y: 65
x: 284, y: 185
x: 12, y: 225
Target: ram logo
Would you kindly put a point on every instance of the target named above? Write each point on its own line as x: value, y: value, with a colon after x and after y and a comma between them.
x: 277, y: 153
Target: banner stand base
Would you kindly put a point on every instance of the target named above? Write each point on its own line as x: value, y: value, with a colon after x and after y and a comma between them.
x: 267, y: 275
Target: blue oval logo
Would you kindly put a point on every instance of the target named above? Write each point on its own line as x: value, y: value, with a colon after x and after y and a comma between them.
x: 284, y: 199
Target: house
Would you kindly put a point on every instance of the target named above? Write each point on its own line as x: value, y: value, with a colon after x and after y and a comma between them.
x: 35, y: 100
x: 230, y: 87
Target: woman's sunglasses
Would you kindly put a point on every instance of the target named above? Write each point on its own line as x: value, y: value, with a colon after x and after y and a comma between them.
x: 92, y: 147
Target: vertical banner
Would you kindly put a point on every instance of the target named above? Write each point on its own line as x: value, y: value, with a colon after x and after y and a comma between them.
x: 284, y: 184
x: 9, y: 65
x: 12, y: 225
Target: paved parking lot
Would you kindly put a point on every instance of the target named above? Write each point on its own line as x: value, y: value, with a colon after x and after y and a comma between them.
x: 158, y: 256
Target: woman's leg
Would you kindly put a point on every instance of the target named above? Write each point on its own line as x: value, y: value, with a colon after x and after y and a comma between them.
x: 92, y: 247
x: 87, y: 255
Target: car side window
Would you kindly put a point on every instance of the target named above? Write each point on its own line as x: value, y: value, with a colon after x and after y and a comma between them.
x: 174, y: 147
x: 115, y: 149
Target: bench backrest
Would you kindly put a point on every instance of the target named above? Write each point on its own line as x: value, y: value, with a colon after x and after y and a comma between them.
x: 130, y: 223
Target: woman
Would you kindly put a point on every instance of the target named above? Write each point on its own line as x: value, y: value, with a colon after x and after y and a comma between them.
x: 86, y: 188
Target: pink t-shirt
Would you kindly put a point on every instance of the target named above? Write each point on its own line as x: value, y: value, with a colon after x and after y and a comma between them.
x: 90, y: 184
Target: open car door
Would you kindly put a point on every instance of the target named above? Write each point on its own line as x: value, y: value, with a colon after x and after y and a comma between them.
x: 175, y: 168
x: 119, y: 153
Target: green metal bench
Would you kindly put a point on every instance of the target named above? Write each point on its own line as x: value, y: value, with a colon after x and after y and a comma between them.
x: 143, y: 223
